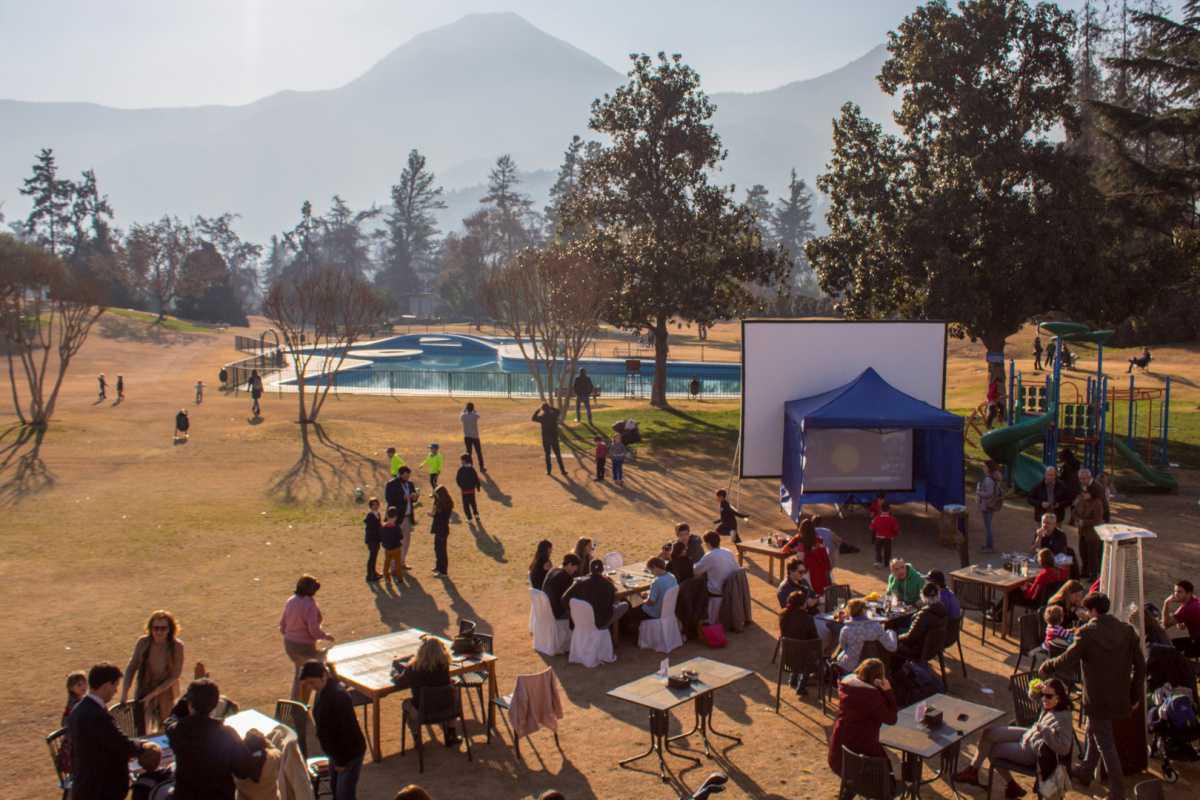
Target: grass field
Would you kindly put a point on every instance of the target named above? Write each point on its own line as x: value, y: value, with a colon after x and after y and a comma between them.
x: 109, y: 520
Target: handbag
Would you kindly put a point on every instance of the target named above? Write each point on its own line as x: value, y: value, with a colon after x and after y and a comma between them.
x: 1056, y: 786
x: 714, y: 636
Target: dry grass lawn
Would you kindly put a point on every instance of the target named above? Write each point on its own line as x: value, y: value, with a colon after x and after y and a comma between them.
x: 118, y: 521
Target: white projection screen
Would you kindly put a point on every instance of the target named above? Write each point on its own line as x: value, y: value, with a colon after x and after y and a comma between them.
x: 856, y: 459
x: 786, y: 359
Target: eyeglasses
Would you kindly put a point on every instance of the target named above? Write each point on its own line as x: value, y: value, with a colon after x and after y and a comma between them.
x: 160, y: 627
x: 1049, y: 696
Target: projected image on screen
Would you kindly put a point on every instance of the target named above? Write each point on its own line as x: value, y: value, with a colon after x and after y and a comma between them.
x: 850, y: 459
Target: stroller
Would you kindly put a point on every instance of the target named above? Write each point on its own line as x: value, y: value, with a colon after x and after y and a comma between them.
x: 1173, y: 727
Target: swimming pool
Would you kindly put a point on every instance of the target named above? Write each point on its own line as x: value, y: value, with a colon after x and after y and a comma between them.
x: 452, y: 363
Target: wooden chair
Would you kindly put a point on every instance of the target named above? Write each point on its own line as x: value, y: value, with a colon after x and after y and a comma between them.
x: 869, y: 778
x: 295, y: 715
x: 476, y: 680
x: 55, y: 742
x: 1030, y: 628
x: 836, y: 593
x: 801, y: 657
x: 954, y: 637
x: 439, y: 705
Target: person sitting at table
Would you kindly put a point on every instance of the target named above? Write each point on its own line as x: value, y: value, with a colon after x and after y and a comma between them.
x: 866, y: 702
x: 541, y: 564
x: 652, y: 608
x: 1182, y: 608
x: 809, y: 547
x: 796, y: 581
x: 1050, y: 536
x: 1069, y: 597
x: 717, y: 565
x: 1039, y: 589
x: 585, y: 548
x: 264, y: 785
x: 905, y: 582
x: 858, y: 630
x: 695, y: 550
x: 932, y: 616
x: 945, y: 595
x: 558, y: 580
x: 797, y: 620
x: 1020, y: 745
x: 680, y: 564
x: 208, y: 755
x: 430, y: 669
x: 597, y: 591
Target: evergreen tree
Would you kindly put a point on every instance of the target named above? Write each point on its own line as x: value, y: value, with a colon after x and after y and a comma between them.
x: 510, y: 209
x: 792, y: 226
x: 344, y: 243
x: 236, y: 289
x: 758, y: 203
x: 49, y: 221
x: 565, y: 185
x: 410, y: 231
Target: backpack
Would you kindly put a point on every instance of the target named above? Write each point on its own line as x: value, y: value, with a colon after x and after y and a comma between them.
x: 915, y: 682
x: 1179, y: 713
x: 996, y: 501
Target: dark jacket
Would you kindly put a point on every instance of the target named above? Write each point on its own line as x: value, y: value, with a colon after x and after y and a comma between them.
x: 548, y: 418
x: 1114, y: 668
x: 537, y: 576
x: 395, y: 495
x: 862, y: 710
x: 682, y: 568
x: 797, y: 624
x: 467, y: 478
x: 421, y: 679
x: 583, y: 386
x: 443, y: 505
x: 1055, y: 540
x: 695, y: 550
x: 208, y: 756
x: 100, y: 753
x: 337, y: 727
x: 931, y: 617
x: 729, y: 517
x: 391, y: 536
x: 557, y: 581
x: 371, y: 526
x: 692, y: 606
x: 1059, y: 503
x: 599, y: 592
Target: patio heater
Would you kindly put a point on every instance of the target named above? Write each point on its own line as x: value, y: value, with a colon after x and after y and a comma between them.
x: 1121, y: 572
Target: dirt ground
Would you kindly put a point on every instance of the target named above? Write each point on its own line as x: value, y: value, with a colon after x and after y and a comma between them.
x: 116, y: 521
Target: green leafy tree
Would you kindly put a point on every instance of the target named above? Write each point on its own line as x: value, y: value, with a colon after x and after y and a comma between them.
x: 156, y: 253
x: 239, y: 286
x: 672, y: 245
x: 976, y: 212
x: 410, y: 231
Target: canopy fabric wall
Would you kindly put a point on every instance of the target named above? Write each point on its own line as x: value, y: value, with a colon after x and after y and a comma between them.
x: 870, y: 402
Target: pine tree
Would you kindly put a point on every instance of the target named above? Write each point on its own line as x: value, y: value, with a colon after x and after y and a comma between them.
x: 565, y: 185
x: 49, y: 221
x: 510, y: 208
x: 759, y: 204
x: 792, y: 226
x: 410, y: 231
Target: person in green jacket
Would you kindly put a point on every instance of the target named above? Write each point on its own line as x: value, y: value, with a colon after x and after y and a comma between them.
x: 905, y: 582
x: 434, y: 461
x: 395, y: 462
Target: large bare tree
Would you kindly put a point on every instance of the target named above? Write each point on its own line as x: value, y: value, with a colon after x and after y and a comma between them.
x: 551, y: 301
x: 321, y: 312
x: 46, y: 314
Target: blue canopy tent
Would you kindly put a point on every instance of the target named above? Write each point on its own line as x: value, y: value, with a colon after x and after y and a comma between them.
x: 869, y: 402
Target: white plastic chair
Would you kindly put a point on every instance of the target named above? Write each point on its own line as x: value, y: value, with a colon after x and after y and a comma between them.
x: 550, y: 636
x: 665, y: 633
x: 589, y: 646
x: 613, y: 560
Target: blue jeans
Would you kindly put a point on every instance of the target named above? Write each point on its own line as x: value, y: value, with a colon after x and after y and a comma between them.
x: 345, y: 783
x: 587, y: 403
x: 618, y: 466
x: 987, y: 528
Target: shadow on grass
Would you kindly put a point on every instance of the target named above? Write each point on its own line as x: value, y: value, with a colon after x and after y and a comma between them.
x: 22, y: 471
x: 326, y: 471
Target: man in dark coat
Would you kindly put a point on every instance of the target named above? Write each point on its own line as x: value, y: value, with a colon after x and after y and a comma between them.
x: 547, y: 417
x: 557, y: 581
x: 1050, y: 496
x: 695, y: 550
x: 583, y: 389
x: 932, y: 616
x: 337, y: 728
x: 727, y: 523
x: 598, y: 591
x: 1114, y: 674
x: 100, y: 753
x: 1050, y: 536
x: 208, y: 755
x: 468, y: 483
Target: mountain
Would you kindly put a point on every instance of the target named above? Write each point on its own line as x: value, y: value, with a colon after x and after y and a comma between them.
x: 462, y: 94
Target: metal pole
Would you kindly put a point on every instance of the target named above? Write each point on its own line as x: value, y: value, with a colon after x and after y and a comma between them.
x: 1102, y: 396
x: 1166, y: 420
x: 1129, y: 422
x: 1013, y: 383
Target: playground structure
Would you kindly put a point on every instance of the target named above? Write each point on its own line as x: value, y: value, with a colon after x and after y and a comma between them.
x: 1101, y: 419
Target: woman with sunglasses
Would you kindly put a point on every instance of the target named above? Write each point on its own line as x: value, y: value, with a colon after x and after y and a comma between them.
x: 156, y: 663
x: 1020, y: 745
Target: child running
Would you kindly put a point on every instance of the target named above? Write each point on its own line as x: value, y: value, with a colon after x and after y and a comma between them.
x: 435, y: 461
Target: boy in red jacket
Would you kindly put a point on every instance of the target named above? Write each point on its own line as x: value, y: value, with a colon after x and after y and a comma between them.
x: 885, y: 529
x: 601, y: 456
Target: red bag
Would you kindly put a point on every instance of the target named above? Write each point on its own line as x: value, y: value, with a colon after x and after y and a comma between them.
x: 713, y: 635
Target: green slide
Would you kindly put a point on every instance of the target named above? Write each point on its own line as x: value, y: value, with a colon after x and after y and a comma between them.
x: 1155, y: 477
x: 1004, y: 446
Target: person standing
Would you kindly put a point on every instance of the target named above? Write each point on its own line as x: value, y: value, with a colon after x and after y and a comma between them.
x: 103, y: 386
x: 1050, y: 496
x: 337, y: 728
x: 885, y: 529
x: 300, y: 625
x: 727, y: 522
x: 601, y: 456
x: 989, y: 495
x: 100, y: 753
x: 199, y: 390
x: 1114, y: 674
x: 255, y: 385
x: 443, y: 505
x: 1037, y: 352
x: 208, y: 755
x: 391, y: 538
x: 395, y: 462
x: 120, y: 387
x: 435, y: 461
x: 372, y: 527
x: 583, y: 389
x: 995, y: 400
x: 617, y: 453
x: 547, y: 417
x: 470, y: 425
x: 468, y: 483
x: 402, y: 495
x: 157, y: 663
x: 1088, y: 511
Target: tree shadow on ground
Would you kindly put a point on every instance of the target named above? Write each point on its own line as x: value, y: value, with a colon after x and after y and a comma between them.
x: 326, y: 470
x: 22, y: 471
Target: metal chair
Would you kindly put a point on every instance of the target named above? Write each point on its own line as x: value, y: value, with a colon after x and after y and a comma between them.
x: 125, y: 715
x: 869, y: 778
x: 476, y: 680
x: 1026, y: 708
x: 954, y: 637
x: 55, y: 742
x: 1030, y: 627
x: 932, y: 649
x: 972, y: 597
x: 439, y: 705
x: 295, y: 715
x: 504, y: 703
x: 835, y: 594
x: 801, y: 657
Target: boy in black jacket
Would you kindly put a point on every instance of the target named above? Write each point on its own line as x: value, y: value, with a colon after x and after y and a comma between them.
x: 208, y: 755
x: 468, y: 481
x: 337, y: 728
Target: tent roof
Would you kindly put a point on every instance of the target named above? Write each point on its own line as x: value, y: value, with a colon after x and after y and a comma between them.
x: 869, y: 401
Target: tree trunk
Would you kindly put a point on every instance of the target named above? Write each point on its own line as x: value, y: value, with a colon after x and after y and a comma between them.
x: 658, y: 390
x: 994, y: 342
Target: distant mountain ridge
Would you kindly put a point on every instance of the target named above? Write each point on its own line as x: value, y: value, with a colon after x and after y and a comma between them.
x: 456, y: 93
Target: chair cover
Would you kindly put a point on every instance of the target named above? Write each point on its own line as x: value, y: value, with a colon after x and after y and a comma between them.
x: 665, y: 633
x: 550, y: 636
x: 613, y: 560
x: 589, y: 646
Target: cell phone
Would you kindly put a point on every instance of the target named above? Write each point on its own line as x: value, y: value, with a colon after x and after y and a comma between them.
x: 962, y: 717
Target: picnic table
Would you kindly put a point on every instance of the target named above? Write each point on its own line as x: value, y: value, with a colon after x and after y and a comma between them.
x: 763, y: 547
x: 366, y: 665
x: 993, y: 580
x: 652, y: 693
x: 917, y: 743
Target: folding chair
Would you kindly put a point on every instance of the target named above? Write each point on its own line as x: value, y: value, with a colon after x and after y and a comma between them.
x: 801, y: 657
x: 125, y: 715
x: 476, y: 680
x: 439, y: 705
x: 504, y: 703
x: 972, y: 597
x: 954, y: 637
x: 932, y: 649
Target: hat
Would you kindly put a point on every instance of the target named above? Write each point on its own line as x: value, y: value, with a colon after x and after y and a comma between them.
x: 433, y: 446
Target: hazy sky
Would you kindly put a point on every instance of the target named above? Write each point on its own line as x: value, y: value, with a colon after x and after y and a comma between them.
x: 136, y: 53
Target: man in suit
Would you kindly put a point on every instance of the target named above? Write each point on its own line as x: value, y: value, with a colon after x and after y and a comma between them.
x: 558, y: 580
x: 100, y: 753
x: 1114, y: 678
x: 400, y: 493
x: 208, y: 755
